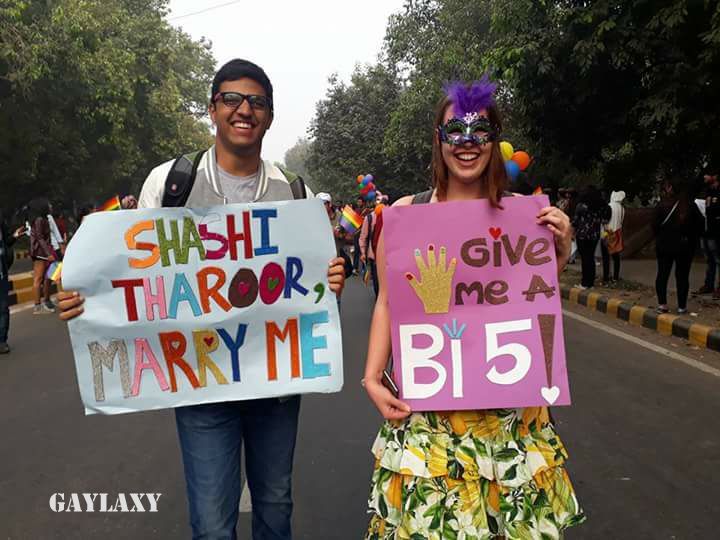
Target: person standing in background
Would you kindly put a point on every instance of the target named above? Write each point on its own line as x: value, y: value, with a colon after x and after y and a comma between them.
x: 7, y: 240
x: 677, y: 224
x: 712, y: 232
x: 611, y: 245
x: 369, y: 234
x: 360, y: 209
x: 42, y: 254
x: 57, y: 240
x: 586, y: 222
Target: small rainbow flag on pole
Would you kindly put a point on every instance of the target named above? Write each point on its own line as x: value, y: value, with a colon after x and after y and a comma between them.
x: 110, y: 204
x: 350, y: 220
x: 54, y: 271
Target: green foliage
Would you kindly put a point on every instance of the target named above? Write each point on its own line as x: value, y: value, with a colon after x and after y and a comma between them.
x: 348, y: 131
x: 611, y: 93
x: 296, y: 160
x: 93, y: 94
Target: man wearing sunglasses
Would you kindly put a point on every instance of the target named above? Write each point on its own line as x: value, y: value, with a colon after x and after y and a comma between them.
x: 211, y: 436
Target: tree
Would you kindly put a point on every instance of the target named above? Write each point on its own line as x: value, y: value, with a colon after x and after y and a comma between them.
x: 297, y: 156
x: 607, y: 92
x: 93, y: 94
x: 348, y: 132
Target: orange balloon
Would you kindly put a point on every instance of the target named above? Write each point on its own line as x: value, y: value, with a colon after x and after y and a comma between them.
x: 522, y: 159
x: 359, y: 178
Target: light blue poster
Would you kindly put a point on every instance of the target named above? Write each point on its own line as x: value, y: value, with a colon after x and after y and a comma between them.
x: 187, y: 306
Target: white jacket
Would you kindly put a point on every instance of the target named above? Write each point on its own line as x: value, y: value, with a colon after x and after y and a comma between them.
x: 618, y: 212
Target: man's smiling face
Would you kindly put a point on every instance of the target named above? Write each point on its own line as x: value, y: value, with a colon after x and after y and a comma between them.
x: 240, y: 129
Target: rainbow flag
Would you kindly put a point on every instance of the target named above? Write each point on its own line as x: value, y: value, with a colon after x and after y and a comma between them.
x: 54, y: 271
x: 350, y: 220
x: 110, y: 204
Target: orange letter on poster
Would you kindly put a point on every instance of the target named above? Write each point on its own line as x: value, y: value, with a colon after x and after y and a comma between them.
x: 173, y: 346
x: 206, y: 292
x: 271, y: 332
x: 130, y: 235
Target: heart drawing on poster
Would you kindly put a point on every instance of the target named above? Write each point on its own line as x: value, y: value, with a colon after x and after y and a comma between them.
x: 550, y: 394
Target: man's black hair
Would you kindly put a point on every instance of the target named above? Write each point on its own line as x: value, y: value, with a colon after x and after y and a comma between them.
x: 238, y: 69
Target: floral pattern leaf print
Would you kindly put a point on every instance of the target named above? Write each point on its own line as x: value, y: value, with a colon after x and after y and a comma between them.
x: 471, y: 475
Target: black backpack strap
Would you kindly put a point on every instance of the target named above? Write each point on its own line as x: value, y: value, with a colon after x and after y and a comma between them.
x: 180, y: 179
x: 422, y: 198
x: 297, y: 187
x: 297, y: 184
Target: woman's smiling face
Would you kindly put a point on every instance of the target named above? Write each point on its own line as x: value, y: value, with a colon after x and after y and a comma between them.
x: 465, y: 162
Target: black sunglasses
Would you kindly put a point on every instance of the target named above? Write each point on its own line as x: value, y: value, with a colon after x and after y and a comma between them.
x: 234, y: 99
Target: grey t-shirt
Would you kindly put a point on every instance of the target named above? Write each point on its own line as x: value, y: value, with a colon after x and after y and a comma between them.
x: 238, y: 189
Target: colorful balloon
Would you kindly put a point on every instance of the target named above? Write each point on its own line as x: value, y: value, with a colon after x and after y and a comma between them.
x: 371, y: 177
x: 370, y: 196
x: 522, y: 159
x: 513, y: 169
x: 507, y: 150
x: 359, y: 178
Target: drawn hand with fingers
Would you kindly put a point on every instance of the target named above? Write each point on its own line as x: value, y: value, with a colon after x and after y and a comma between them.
x: 434, y: 288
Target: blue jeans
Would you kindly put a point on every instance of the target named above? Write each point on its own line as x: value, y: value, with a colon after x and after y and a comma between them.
x: 4, y: 309
x: 211, y: 437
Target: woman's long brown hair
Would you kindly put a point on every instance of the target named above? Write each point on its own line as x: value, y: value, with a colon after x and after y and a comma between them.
x: 494, y: 177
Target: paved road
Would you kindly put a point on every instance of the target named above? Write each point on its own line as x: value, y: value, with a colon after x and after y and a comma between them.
x: 642, y: 433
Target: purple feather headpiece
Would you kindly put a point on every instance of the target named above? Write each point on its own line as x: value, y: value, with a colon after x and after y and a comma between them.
x: 469, y: 99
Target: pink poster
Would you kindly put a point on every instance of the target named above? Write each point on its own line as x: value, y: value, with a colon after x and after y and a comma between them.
x: 475, y: 306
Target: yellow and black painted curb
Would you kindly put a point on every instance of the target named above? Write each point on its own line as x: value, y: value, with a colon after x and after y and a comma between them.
x: 666, y: 324
x: 21, y: 288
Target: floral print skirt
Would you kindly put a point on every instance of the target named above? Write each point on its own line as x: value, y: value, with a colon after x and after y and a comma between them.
x: 471, y: 475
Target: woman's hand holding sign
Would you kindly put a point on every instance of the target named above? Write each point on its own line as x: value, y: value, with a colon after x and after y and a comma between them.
x: 558, y: 223
x: 389, y: 406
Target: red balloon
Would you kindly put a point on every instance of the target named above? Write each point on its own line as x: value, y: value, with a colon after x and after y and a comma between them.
x: 522, y: 159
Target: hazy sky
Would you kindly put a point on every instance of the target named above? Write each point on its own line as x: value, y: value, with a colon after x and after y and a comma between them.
x: 298, y: 44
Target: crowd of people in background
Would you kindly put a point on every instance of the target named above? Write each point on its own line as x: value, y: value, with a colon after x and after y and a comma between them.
x: 44, y: 230
x: 358, y: 248
x: 680, y: 224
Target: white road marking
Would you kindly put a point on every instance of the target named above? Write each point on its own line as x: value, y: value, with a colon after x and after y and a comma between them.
x: 18, y: 308
x: 637, y: 341
x: 245, y: 503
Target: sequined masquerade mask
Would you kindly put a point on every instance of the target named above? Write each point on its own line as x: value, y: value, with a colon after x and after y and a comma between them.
x: 473, y: 128
x: 468, y: 125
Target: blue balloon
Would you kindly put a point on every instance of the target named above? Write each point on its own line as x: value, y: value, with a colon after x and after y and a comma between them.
x: 370, y: 176
x: 513, y: 169
x: 370, y: 195
x: 365, y: 180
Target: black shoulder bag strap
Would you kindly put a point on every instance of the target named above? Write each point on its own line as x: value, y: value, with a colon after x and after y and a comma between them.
x: 423, y: 198
x: 180, y: 179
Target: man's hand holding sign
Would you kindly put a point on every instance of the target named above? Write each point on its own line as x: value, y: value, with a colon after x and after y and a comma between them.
x: 475, y: 305
x: 194, y: 306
